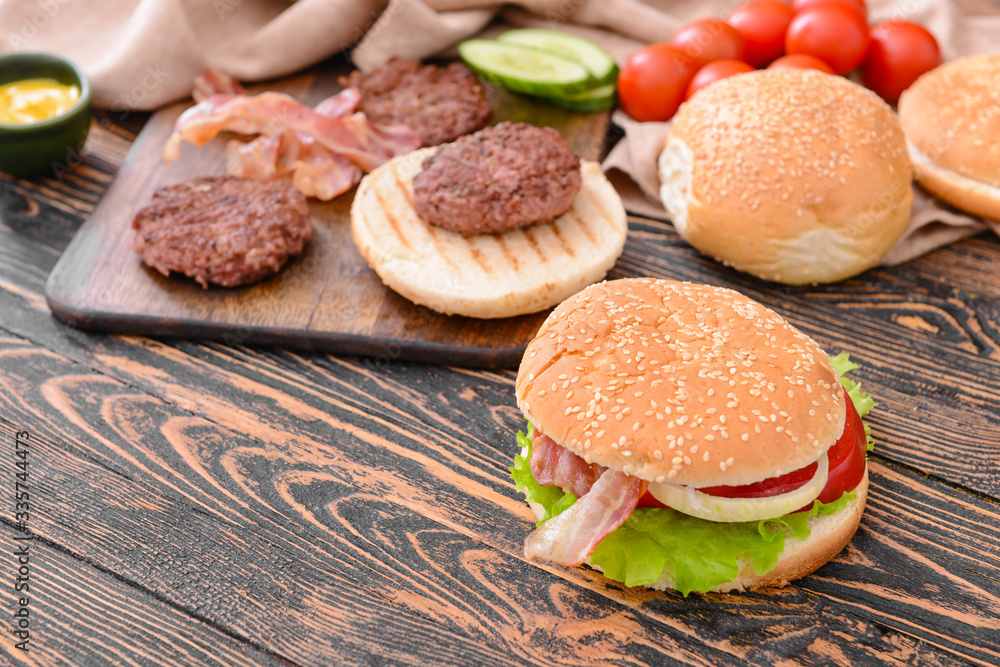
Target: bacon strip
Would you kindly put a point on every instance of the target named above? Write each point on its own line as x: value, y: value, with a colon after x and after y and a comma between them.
x: 215, y: 82
x: 572, y: 536
x: 258, y: 159
x: 315, y: 170
x: 365, y: 144
x: 551, y: 463
x: 322, y: 173
x: 340, y: 105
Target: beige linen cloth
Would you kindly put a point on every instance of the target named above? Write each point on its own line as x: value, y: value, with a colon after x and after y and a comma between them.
x: 141, y: 54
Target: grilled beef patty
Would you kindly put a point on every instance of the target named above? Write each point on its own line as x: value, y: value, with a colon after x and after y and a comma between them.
x: 439, y: 103
x: 222, y: 229
x: 498, y: 179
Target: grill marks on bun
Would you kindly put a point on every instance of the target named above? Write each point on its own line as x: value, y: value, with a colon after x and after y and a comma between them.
x: 791, y: 175
x: 680, y: 382
x: 485, y: 275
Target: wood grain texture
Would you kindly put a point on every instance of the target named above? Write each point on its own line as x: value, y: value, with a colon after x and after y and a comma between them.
x: 327, y: 298
x: 314, y: 515
x: 81, y: 615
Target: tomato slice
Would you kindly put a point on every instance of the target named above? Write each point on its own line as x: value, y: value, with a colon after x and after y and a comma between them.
x: 847, y: 468
x: 765, y: 488
x: 648, y: 500
x: 847, y: 457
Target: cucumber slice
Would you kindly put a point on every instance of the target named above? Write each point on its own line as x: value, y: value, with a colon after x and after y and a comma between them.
x: 601, y: 98
x: 524, y: 69
x: 598, y: 62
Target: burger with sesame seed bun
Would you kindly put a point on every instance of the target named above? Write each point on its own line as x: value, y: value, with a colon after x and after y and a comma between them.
x: 791, y: 175
x: 684, y: 436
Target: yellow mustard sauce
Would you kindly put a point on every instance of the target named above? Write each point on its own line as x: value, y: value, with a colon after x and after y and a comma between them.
x: 32, y: 100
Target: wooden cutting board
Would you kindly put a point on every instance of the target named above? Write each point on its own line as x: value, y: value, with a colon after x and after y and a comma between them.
x: 326, y: 299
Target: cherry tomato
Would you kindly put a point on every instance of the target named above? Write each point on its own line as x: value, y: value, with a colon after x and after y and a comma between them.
x: 763, y: 24
x: 847, y: 467
x: 800, y: 5
x: 835, y: 34
x: 653, y: 82
x: 712, y: 72
x: 708, y: 40
x: 801, y: 61
x: 899, y: 53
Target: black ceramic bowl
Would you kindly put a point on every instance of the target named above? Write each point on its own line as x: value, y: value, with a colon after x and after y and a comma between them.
x: 32, y: 148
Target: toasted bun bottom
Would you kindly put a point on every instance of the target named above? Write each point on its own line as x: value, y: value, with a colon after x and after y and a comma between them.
x: 830, y: 534
x: 486, y: 275
x: 960, y: 191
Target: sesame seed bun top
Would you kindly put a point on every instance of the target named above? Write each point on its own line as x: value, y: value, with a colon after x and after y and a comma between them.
x: 952, y: 115
x: 792, y: 175
x: 681, y: 383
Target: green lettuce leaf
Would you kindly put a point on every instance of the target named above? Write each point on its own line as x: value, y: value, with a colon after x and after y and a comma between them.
x: 701, y: 554
x: 552, y: 498
x: 863, y: 403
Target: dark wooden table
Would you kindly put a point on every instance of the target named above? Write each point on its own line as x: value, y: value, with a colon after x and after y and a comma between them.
x: 195, y: 503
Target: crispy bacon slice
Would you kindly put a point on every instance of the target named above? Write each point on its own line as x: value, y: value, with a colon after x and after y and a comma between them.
x: 259, y: 159
x: 551, y: 463
x: 340, y: 105
x: 215, y: 82
x: 572, y: 536
x: 362, y: 142
x: 315, y: 170
x: 321, y: 173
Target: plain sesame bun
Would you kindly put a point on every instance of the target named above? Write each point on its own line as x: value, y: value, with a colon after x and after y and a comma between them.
x: 791, y: 175
x: 951, y: 117
x: 681, y: 383
x: 487, y: 275
x: 828, y: 536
